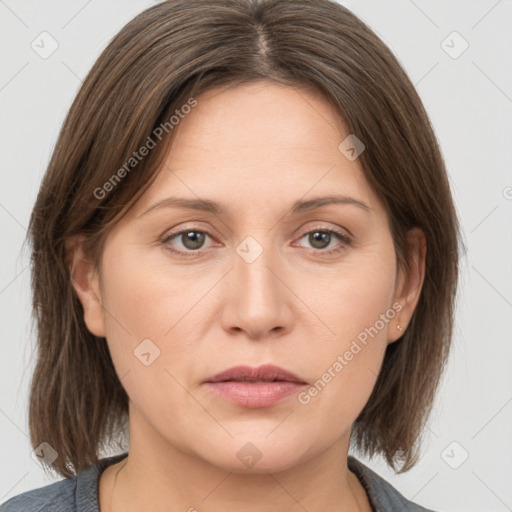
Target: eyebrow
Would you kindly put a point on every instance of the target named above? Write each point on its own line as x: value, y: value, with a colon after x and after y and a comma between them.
x: 207, y: 205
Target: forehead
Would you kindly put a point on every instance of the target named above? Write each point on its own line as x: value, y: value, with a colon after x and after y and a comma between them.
x: 257, y: 144
x: 260, y: 119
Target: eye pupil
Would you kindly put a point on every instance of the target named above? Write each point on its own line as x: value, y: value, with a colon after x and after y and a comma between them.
x: 195, y: 237
x: 321, y: 238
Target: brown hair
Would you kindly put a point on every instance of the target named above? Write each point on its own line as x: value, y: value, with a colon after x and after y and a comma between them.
x: 156, y: 64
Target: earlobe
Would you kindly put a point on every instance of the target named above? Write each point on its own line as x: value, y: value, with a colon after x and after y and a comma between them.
x: 410, y: 283
x: 85, y: 281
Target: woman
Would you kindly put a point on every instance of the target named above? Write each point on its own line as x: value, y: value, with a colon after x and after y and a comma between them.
x: 245, y: 251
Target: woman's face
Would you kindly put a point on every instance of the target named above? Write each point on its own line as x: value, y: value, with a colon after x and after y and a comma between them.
x: 251, y: 284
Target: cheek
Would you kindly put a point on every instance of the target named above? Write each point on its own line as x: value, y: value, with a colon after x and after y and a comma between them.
x: 146, y: 309
x: 145, y: 305
x: 143, y: 294
x: 352, y: 297
x: 356, y: 310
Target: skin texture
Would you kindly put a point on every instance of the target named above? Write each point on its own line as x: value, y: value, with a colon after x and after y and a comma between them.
x: 255, y: 149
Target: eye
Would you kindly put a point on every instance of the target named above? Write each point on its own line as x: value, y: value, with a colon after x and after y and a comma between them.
x: 320, y: 239
x: 193, y: 241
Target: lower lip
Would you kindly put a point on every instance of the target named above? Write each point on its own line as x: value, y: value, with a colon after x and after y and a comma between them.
x: 252, y: 394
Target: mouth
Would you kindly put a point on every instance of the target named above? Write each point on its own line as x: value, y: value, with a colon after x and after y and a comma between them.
x: 250, y: 387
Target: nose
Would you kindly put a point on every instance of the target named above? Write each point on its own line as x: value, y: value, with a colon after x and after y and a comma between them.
x: 257, y: 297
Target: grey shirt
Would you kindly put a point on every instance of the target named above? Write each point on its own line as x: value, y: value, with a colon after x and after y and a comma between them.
x: 80, y: 493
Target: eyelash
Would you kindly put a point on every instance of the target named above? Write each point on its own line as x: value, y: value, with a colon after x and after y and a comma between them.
x: 190, y: 254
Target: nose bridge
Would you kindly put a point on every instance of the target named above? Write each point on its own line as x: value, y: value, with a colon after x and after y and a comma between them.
x: 259, y: 296
x: 253, y: 268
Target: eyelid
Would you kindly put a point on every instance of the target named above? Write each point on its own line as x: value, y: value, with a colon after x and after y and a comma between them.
x: 168, y: 235
x: 337, y: 230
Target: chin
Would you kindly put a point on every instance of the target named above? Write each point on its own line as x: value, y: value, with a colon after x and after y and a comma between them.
x: 257, y: 453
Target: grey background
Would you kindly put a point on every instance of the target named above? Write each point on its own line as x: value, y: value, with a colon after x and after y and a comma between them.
x: 469, y: 100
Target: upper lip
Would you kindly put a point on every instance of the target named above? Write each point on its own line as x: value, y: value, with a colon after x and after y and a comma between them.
x: 265, y: 373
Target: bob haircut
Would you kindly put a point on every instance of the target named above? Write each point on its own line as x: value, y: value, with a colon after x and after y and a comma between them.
x: 147, y: 74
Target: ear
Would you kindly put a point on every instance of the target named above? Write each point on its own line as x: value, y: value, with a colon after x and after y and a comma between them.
x: 409, y: 283
x: 85, y: 281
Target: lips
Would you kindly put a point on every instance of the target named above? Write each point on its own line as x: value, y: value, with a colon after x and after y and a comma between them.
x: 265, y: 373
x: 265, y: 386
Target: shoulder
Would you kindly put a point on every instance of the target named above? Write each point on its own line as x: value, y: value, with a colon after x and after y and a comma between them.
x: 74, y: 494
x: 59, y: 496
x: 383, y: 496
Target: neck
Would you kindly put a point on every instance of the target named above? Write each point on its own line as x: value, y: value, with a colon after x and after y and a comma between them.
x: 159, y: 476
